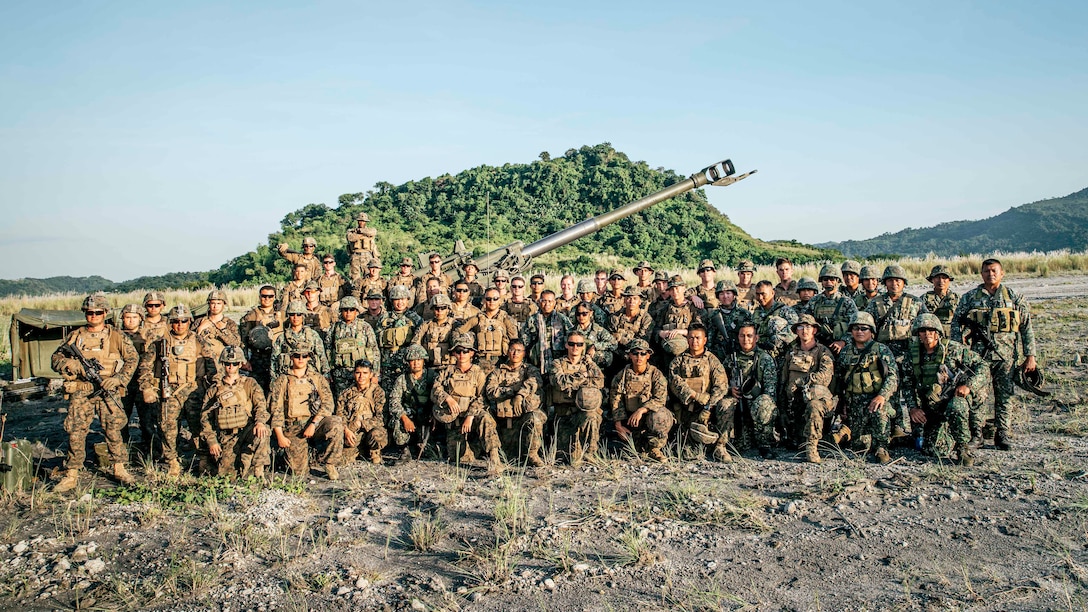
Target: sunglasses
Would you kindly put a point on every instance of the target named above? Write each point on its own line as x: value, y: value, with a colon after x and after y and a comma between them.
x: 295, y: 314
x: 460, y: 290
x: 299, y: 355
x: 491, y: 299
x: 149, y: 305
x: 436, y: 261
x: 441, y: 307
x: 582, y: 313
x: 518, y: 286
x: 349, y: 310
x: 499, y: 280
x: 460, y: 351
x: 265, y: 296
x: 536, y: 283
x: 640, y: 353
x: 576, y: 344
x: 94, y: 313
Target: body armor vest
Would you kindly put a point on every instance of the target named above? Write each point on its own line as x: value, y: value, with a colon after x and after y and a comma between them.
x: 636, y: 389
x: 105, y: 346
x: 927, y: 368
x: 491, y: 336
x: 1002, y: 317
x: 394, y: 333
x: 827, y: 314
x: 349, y: 348
x: 895, y: 328
x: 235, y: 405
x: 182, y: 354
x: 436, y: 339
x: 863, y: 375
x: 520, y: 311
x: 298, y: 396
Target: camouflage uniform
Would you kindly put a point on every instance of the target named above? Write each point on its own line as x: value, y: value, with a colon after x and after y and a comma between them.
x: 362, y: 287
x: 773, y: 325
x: 1008, y: 318
x: 362, y: 411
x: 394, y: 332
x: 722, y: 326
x: 286, y: 343
x: 787, y: 294
x: 893, y: 321
x: 805, y: 398
x: 565, y: 305
x: 861, y: 375
x: 556, y: 326
x: 577, y: 422
x: 520, y: 311
x: 625, y: 329
x: 410, y: 397
x: 311, y: 261
x: 922, y: 388
x: 462, y: 312
x: 228, y: 417
x: 493, y: 334
x: 190, y: 366
x: 602, y: 343
x: 362, y: 247
x: 444, y: 284
x: 259, y: 343
x: 513, y: 396
x: 293, y: 410
x: 348, y: 343
x: 943, y: 306
x: 218, y: 335
x: 132, y: 400
x: 404, y: 280
x: 466, y: 389
x: 707, y: 295
x: 320, y: 318
x: 153, y: 331
x: 333, y: 288
x: 752, y: 417
x: 698, y: 386
x: 114, y: 350
x: 436, y: 338
x: 610, y: 303
x: 293, y: 291
x: 833, y: 314
x: 649, y: 390
x: 372, y: 319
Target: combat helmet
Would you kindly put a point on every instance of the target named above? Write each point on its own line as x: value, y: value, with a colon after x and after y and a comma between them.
x: 180, y: 312
x: 309, y: 241
x: 96, y: 301
x: 232, y: 355
x: 642, y: 265
x: 414, y: 352
x: 863, y: 318
x: 399, y: 292
x: 362, y: 217
x: 350, y: 302
x: 926, y: 321
x: 868, y: 272
x: 297, y: 307
x: 806, y: 282
x: 850, y: 267
x: 440, y: 299
x: 830, y: 271
x: 586, y: 286
x: 938, y: 270
x: 216, y: 294
x: 639, y: 344
x: 725, y: 285
x: 154, y: 296
x: 1030, y: 381
x: 894, y: 271
x: 746, y: 265
x: 133, y: 308
x: 706, y: 264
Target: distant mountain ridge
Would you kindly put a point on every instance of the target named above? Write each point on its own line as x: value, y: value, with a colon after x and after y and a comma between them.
x: 91, y: 284
x: 1046, y: 225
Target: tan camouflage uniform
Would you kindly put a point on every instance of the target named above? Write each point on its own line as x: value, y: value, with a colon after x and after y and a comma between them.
x: 466, y: 389
x: 362, y: 412
x: 577, y: 430
x: 229, y: 414
x: 513, y: 395
x: 289, y: 403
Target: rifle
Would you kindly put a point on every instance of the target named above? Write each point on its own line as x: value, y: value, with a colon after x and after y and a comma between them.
x: 424, y: 437
x: 164, y: 359
x: 980, y: 335
x: 954, y: 380
x: 314, y: 403
x: 92, y: 371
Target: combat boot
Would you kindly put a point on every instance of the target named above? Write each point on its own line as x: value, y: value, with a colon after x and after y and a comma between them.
x: 966, y: 456
x: 122, y: 475
x: 376, y: 457
x: 1002, y: 442
x: 812, y: 452
x: 535, y: 459
x: 765, y: 452
x: 842, y: 436
x: 331, y: 472
x: 173, y: 468
x: 69, y: 482
x: 976, y: 438
x: 721, y: 454
x: 656, y: 455
x: 494, y: 462
x: 258, y: 472
x: 881, y: 455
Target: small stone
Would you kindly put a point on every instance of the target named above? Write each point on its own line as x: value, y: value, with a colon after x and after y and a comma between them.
x: 362, y: 583
x: 85, y: 498
x: 581, y: 567
x: 418, y: 605
x: 549, y: 584
x: 62, y: 566
x: 477, y: 596
x: 344, y: 590
x: 94, y: 566
x: 20, y: 548
x: 793, y: 507
x: 461, y: 590
x: 345, y: 513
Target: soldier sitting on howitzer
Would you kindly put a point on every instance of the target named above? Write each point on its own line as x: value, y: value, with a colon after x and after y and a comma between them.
x: 301, y: 404
x: 458, y: 404
x: 513, y: 393
x: 361, y: 409
x: 638, y: 402
x: 234, y: 420
x: 805, y: 400
x: 749, y: 410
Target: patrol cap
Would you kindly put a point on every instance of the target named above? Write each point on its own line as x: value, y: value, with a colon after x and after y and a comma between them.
x: 830, y: 271
x: 643, y: 265
x: 706, y: 264
x: 501, y: 275
x: 232, y: 355
x: 349, y: 302
x: 638, y: 344
x: 806, y: 282
x: 154, y: 296
x: 312, y: 286
x: 362, y: 217
x: 850, y: 267
x: 180, y: 312
x: 463, y: 342
x: 440, y: 299
x: 617, y: 273
x: 661, y: 275
x: 726, y: 285
x: 407, y: 261
x: 862, y: 319
x: 399, y: 292
x: 805, y: 319
x: 133, y: 308
x: 587, y: 286
x: 309, y: 241
x: 894, y: 271
x: 746, y: 265
x: 676, y: 281
x: 415, y: 351
x: 374, y: 294
x: 631, y: 291
x: 868, y: 272
x: 939, y: 270
x: 296, y: 307
x: 96, y: 301
x: 217, y: 295
x: 927, y: 321
x: 374, y: 263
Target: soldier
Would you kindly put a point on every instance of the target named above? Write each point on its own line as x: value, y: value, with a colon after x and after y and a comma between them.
x: 631, y: 322
x: 461, y: 308
x: 941, y: 301
x: 470, y: 270
x: 215, y: 329
x: 867, y: 377
x: 999, y: 322
x: 706, y: 289
x: 318, y: 316
x: 423, y: 307
x: 587, y: 292
x: 174, y: 371
x: 661, y: 291
x: 724, y: 321
x: 296, y: 287
x: 434, y: 260
x: 576, y: 385
x: 600, y: 281
x: 833, y: 310
x: 805, y: 400
x: 375, y: 309
x: 372, y: 282
x: 395, y: 330
x: 851, y: 280
x: 645, y: 285
x: 806, y: 290
x: 773, y: 319
x: 676, y: 318
x: 234, y: 420
x: 457, y: 396
x: 404, y: 278
x: 259, y: 329
x: 786, y: 289
x: 749, y: 411
x: 132, y: 319
x: 306, y: 257
x: 362, y: 244
x: 698, y: 384
x: 493, y: 330
x: 870, y: 287
x: 600, y: 345
x: 611, y: 301
x: 638, y: 402
x: 501, y: 281
x: 410, y: 416
x: 351, y: 340
x: 118, y: 359
x: 332, y: 286
x: 940, y: 383
x: 155, y: 324
x: 294, y: 334
x: 301, y: 404
x: 547, y: 330
x: 436, y: 335
x: 745, y: 271
x: 566, y: 298
x: 536, y: 287
x: 519, y: 306
x: 513, y: 392
x: 361, y: 409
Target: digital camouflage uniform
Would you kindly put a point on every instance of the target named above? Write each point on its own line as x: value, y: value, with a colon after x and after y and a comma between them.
x: 348, y: 343
x: 410, y: 397
x: 722, y: 325
x: 228, y: 417
x: 514, y: 398
x: 462, y: 312
x: 602, y: 343
x: 362, y: 412
x: 787, y: 294
x: 133, y: 401
x: 259, y: 343
x: 861, y: 375
x: 293, y: 410
x: 649, y: 390
x: 943, y: 306
x: 893, y: 329
x: 578, y: 413
x: 394, y: 331
x: 362, y: 287
x: 610, y: 303
x: 833, y: 314
x: 190, y: 367
x: 698, y: 386
x: 1008, y: 318
x: 493, y: 334
x: 625, y: 329
x: 114, y: 350
x: 774, y: 325
x: 286, y: 343
x: 218, y: 335
x: 752, y: 417
x: 520, y: 311
x: 805, y: 398
x: 467, y: 390
x: 555, y: 328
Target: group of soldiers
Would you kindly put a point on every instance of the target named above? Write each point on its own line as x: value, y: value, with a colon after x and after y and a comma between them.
x: 466, y: 369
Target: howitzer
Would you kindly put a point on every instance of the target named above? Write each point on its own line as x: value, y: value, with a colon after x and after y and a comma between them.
x: 92, y: 371
x: 516, y: 256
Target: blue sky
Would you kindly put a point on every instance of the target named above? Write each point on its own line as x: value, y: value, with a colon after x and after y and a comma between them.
x: 144, y: 138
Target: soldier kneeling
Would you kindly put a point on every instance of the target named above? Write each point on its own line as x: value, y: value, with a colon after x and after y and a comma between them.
x: 458, y: 404
x: 750, y: 406
x: 808, y: 369
x: 638, y: 399
x: 513, y: 391
x: 301, y: 405
x: 362, y: 410
x: 234, y: 419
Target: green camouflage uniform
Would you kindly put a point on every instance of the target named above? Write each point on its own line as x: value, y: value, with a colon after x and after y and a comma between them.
x: 514, y: 398
x: 894, y: 320
x: 348, y: 343
x: 602, y: 343
x: 394, y: 332
x: 556, y: 326
x: 260, y: 355
x: 805, y: 399
x: 493, y: 334
x: 410, y: 397
x: 861, y: 375
x: 649, y: 390
x: 285, y: 343
x: 773, y: 325
x: 228, y: 416
x: 362, y: 411
x: 577, y: 430
x: 292, y: 410
x: 756, y: 407
x: 466, y: 388
x: 921, y: 387
x: 833, y: 314
x: 625, y: 329
x: 942, y: 306
x: 723, y: 325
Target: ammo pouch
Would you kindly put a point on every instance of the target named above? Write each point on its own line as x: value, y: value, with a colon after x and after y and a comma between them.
x: 866, y: 377
x: 78, y: 386
x: 392, y: 338
x: 348, y: 351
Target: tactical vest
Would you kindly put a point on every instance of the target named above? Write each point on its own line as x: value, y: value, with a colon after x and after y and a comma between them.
x: 637, y: 390
x: 181, y: 355
x: 211, y: 341
x: 520, y: 311
x: 894, y: 328
x: 745, y: 372
x: 508, y: 408
x: 394, y: 333
x: 298, y: 396
x: 677, y: 317
x: 416, y: 395
x: 944, y: 310
x: 330, y: 288
x: 491, y: 336
x: 361, y: 239
x: 348, y: 348
x: 696, y: 376
x: 361, y: 407
x: 235, y: 406
x: 105, y: 346
x: 1002, y: 317
x: 438, y: 337
x: 265, y: 319
x: 764, y: 319
x: 827, y: 314
x: 462, y: 387
x: 863, y: 372
x: 319, y: 319
x: 925, y: 371
x: 799, y: 363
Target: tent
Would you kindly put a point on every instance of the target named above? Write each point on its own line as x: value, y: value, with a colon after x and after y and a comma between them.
x: 35, y: 334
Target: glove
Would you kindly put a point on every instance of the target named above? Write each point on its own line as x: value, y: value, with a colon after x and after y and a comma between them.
x: 111, y: 384
x: 72, y: 367
x: 273, y: 325
x: 150, y: 397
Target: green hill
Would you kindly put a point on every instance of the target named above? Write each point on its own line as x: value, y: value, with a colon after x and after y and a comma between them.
x: 1046, y: 225
x: 54, y: 284
x: 526, y: 202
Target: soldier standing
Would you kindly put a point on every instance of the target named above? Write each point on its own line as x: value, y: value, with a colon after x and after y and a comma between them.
x: 470, y: 270
x: 546, y: 330
x: 306, y: 257
x: 644, y: 272
x: 676, y: 318
x: 362, y: 245
x: 361, y: 408
x: 632, y: 322
x: 395, y: 330
x: 457, y: 396
x: 423, y: 306
x: 786, y: 289
x: 851, y: 280
x: 234, y: 420
x: 750, y: 409
x: 724, y: 321
x: 867, y: 377
x: 294, y: 335
x: 941, y: 301
x: 332, y: 285
x: 435, y: 272
x: 536, y: 287
x: 773, y: 319
x: 501, y: 281
x: 410, y: 415
x: 600, y: 345
x: 132, y: 318
x: 612, y: 301
x: 576, y: 385
x: 705, y: 290
x: 350, y: 340
x: 698, y: 384
x: 806, y: 290
x: 118, y: 359
x: 215, y: 329
x: 808, y: 369
x: 296, y: 287
x: 493, y: 330
x: 999, y: 322
x: 436, y: 335
x: 259, y: 329
x: 638, y: 402
x: 513, y: 393
x: 155, y: 324
x: 375, y: 309
x: 372, y: 282
x: 661, y: 295
x: 318, y: 316
x: 833, y: 310
x: 519, y: 306
x: 461, y: 309
x: 745, y: 271
x: 587, y: 292
x: 870, y: 287
x: 566, y: 298
x: 301, y: 405
x: 404, y: 278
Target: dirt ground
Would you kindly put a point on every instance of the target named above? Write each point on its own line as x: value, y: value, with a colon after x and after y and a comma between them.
x: 621, y: 533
